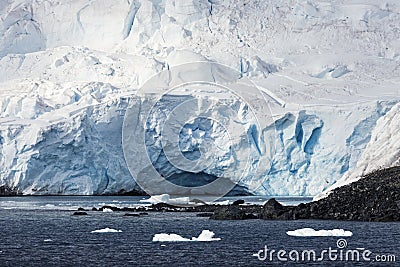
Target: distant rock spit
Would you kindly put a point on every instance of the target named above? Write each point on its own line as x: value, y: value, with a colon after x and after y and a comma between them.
x: 375, y: 198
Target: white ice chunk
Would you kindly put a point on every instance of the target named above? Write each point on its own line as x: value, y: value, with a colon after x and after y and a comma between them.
x: 312, y: 232
x: 205, y: 236
x: 106, y: 230
x: 169, y: 238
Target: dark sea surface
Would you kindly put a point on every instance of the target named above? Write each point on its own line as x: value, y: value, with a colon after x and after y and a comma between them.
x: 40, y: 231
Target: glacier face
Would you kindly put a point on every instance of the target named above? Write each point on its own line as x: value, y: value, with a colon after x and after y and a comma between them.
x: 68, y: 71
x: 83, y: 154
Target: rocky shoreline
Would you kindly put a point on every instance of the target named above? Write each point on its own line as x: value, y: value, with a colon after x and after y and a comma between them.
x: 376, y: 198
x: 6, y: 191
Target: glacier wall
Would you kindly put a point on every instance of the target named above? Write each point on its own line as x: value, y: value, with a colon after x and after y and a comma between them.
x: 83, y: 154
x: 315, y: 148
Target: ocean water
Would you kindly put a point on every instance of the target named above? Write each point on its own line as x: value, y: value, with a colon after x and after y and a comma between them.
x: 40, y: 231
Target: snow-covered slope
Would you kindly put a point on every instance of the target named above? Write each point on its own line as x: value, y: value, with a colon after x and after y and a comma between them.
x: 329, y: 70
x: 383, y: 150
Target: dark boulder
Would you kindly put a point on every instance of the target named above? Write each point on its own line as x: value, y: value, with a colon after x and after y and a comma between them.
x: 272, y: 209
x: 231, y: 213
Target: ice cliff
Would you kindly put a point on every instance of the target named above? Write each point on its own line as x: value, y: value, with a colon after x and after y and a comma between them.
x: 329, y: 72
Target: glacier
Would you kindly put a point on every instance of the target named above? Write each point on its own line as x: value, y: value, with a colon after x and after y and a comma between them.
x: 328, y: 72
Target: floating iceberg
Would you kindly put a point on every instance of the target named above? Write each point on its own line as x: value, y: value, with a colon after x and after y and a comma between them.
x: 312, y: 232
x: 169, y: 238
x: 106, y: 230
x: 205, y: 236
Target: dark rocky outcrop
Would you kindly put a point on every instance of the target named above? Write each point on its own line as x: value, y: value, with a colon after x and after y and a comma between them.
x: 375, y: 197
x: 6, y: 191
x: 272, y: 209
x: 235, y: 212
x: 229, y: 213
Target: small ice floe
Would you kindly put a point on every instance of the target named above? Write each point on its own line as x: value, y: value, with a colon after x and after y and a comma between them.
x: 169, y: 238
x: 312, y: 232
x: 106, y: 230
x: 107, y: 210
x: 205, y: 236
x: 48, y: 240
